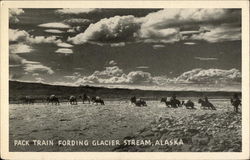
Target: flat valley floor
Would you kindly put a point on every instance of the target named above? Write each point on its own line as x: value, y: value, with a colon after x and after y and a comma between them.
x: 119, y: 119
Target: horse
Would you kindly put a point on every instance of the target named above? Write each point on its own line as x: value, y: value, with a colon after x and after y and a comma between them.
x: 72, y: 100
x: 174, y: 103
x: 189, y: 104
x: 28, y: 100
x: 85, y: 98
x: 206, y: 104
x: 140, y: 102
x: 235, y: 103
x: 163, y: 100
x: 177, y: 102
x: 97, y: 100
x: 168, y: 103
x: 53, y: 100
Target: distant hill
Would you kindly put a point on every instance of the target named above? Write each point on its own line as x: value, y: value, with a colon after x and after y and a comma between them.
x: 20, y: 89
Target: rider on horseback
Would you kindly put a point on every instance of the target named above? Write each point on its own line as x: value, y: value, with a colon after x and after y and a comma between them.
x: 206, y: 99
x: 173, y: 101
x: 84, y: 95
x: 236, y: 102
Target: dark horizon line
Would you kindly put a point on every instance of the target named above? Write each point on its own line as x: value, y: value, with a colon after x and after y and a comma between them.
x: 92, y: 86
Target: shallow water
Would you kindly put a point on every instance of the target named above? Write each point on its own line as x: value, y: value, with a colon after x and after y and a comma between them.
x: 113, y: 121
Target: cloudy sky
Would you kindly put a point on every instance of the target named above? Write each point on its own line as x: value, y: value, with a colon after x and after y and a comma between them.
x: 169, y: 49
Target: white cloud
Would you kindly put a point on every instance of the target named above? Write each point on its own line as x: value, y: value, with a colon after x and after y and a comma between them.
x: 72, y: 30
x: 171, y: 18
x: 142, y: 67
x: 75, y: 76
x: 78, y: 69
x: 163, y: 80
x: 15, y: 11
x: 206, y: 58
x: 65, y: 45
x: 53, y: 31
x: 39, y: 79
x: 219, y: 34
x: 136, y: 77
x: 118, y: 28
x: 65, y: 51
x: 75, y: 10
x: 158, y: 46
x: 34, y: 68
x: 210, y: 76
x: 166, y: 26
x: 121, y: 44
x: 71, y: 77
x: 27, y: 66
x: 20, y: 48
x: 14, y: 65
x: 112, y: 63
x: 63, y: 83
x: 35, y: 74
x: 42, y: 39
x: 76, y: 29
x: 25, y: 37
x: 24, y: 61
x: 15, y: 59
x: 115, y: 75
x: 17, y: 35
x: 77, y: 22
x: 13, y: 14
x: 54, y: 25
x: 167, y: 23
x: 168, y: 35
x: 189, y: 43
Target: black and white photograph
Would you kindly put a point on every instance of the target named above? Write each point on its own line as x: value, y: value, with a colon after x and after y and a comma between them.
x: 125, y: 79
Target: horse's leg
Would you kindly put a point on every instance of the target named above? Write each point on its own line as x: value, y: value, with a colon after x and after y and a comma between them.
x: 235, y: 108
x: 214, y: 108
x: 210, y: 107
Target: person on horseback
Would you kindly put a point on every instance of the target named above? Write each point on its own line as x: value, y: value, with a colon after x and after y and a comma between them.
x: 206, y: 99
x: 206, y: 104
x: 84, y: 95
x: 173, y: 96
x: 235, y: 101
x: 133, y: 99
x: 173, y: 101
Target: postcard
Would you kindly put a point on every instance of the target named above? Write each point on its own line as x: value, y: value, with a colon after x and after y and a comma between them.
x: 125, y: 80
